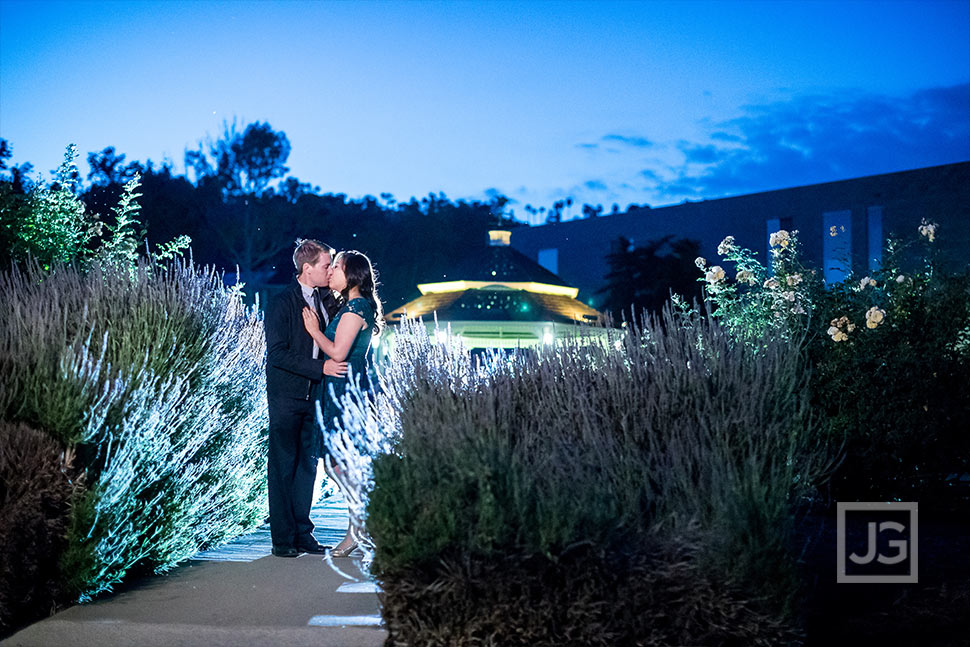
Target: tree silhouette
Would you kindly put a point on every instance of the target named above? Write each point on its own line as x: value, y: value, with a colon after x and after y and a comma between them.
x: 642, y: 278
x: 241, y: 163
x: 555, y: 213
x: 13, y: 200
x: 242, y: 211
x: 251, y: 220
x: 107, y: 168
x: 18, y: 181
x: 6, y: 152
x: 260, y: 155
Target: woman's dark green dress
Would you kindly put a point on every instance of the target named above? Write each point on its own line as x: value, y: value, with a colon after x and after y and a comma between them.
x: 357, y: 359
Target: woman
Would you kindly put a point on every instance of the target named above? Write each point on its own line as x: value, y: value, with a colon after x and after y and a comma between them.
x: 347, y: 338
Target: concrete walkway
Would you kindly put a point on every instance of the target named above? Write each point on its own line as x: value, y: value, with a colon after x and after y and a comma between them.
x: 238, y: 594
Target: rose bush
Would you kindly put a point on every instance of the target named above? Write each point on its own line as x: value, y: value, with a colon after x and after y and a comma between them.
x: 893, y: 391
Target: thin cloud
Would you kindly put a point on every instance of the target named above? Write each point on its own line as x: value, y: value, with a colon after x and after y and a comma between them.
x: 725, y: 137
x: 820, y: 138
x: 700, y: 154
x: 637, y: 142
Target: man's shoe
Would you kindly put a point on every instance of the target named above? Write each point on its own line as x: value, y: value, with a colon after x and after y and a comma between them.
x: 285, y: 551
x: 314, y: 548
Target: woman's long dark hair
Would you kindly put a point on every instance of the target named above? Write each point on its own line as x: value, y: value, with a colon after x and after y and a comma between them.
x: 360, y: 273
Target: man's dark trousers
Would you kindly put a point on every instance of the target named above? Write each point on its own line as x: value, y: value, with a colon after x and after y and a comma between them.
x: 292, y: 469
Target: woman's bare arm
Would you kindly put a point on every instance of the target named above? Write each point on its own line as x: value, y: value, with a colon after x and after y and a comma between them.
x: 350, y: 324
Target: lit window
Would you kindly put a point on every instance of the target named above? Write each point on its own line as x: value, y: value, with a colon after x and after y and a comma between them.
x: 549, y: 259
x: 874, y: 229
x: 771, y: 226
x: 836, y: 245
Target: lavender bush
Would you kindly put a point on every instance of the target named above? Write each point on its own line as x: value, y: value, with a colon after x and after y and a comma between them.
x: 668, y: 450
x: 153, y: 376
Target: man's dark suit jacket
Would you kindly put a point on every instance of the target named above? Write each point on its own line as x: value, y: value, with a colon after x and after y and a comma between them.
x: 291, y: 371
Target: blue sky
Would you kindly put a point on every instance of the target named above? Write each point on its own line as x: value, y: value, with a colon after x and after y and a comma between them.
x: 626, y: 102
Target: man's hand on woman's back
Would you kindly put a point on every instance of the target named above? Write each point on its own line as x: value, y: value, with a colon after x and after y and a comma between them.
x: 334, y: 368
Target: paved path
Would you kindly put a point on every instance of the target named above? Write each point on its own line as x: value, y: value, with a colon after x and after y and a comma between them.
x: 235, y: 595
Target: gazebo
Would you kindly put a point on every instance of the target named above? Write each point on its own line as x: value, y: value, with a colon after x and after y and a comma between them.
x: 501, y: 299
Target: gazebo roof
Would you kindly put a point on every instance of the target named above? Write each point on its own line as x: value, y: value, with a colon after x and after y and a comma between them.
x: 503, y: 264
x: 498, y: 303
x: 499, y: 284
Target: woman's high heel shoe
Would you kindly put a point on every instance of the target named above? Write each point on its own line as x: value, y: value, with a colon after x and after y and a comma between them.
x: 343, y: 552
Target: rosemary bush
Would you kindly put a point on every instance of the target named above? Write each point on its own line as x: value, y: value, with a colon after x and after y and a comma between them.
x: 670, y: 445
x: 50, y: 224
x: 53, y: 227
x: 154, y: 375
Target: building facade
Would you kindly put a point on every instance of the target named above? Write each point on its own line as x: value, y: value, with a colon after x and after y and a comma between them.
x: 864, y: 211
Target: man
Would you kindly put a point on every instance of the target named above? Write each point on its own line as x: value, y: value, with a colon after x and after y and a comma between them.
x: 294, y: 371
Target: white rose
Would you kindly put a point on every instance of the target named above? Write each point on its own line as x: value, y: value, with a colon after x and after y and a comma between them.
x: 874, y: 317
x: 715, y: 274
x: 780, y: 238
x: 726, y: 245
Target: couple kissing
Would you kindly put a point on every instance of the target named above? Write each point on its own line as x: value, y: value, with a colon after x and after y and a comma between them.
x: 318, y: 337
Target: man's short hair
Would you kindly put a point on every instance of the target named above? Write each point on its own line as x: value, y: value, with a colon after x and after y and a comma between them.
x: 308, y: 251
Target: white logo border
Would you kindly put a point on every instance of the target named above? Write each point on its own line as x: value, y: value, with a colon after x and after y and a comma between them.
x: 884, y: 506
